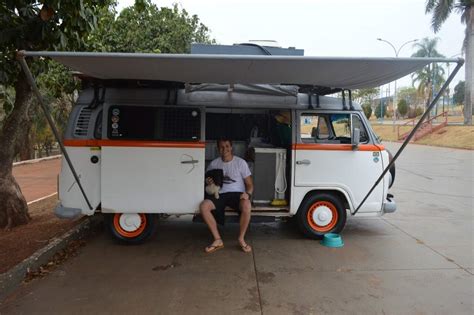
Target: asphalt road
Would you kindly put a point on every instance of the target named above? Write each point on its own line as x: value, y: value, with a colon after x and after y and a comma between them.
x: 418, y: 260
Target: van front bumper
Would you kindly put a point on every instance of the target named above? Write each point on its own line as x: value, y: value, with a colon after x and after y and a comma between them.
x: 389, y: 206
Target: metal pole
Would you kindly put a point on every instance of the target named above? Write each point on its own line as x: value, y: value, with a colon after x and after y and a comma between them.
x: 394, y: 105
x: 448, y: 90
x: 31, y: 81
x: 412, y: 133
x: 381, y: 96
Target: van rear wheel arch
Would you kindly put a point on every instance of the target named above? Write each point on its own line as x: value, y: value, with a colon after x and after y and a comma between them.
x: 322, y: 212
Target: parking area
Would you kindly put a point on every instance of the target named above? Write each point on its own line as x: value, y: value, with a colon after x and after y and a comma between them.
x: 418, y: 260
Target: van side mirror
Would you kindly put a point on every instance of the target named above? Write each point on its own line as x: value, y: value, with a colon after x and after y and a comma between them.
x: 355, y: 138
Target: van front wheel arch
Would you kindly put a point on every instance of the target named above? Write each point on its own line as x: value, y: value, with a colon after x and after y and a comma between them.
x: 321, y: 213
x: 131, y: 228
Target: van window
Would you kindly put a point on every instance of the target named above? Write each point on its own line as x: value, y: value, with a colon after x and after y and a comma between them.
x: 154, y: 123
x: 330, y: 128
x: 364, y: 136
x: 341, y: 124
x: 314, y: 128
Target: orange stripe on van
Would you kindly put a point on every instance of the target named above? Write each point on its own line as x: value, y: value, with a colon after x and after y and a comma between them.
x: 337, y: 147
x: 81, y: 143
x: 132, y: 143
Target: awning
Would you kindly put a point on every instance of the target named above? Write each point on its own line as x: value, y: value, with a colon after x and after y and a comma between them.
x: 332, y: 72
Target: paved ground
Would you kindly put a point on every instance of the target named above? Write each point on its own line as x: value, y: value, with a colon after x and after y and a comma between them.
x: 37, y: 179
x: 416, y: 261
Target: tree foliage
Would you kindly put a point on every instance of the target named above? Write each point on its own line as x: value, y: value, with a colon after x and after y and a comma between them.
x: 367, y: 108
x: 410, y: 94
x: 380, y: 110
x: 431, y: 77
x: 441, y: 10
x: 144, y: 27
x: 68, y: 25
x: 31, y: 25
x: 459, y: 89
x: 363, y: 96
x: 402, y: 107
x: 37, y: 25
x: 366, y: 98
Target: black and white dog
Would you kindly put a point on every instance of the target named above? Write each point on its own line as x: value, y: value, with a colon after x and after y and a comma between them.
x: 217, y: 176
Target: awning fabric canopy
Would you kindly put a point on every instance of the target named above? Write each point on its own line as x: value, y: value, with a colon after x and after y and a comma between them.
x: 346, y: 73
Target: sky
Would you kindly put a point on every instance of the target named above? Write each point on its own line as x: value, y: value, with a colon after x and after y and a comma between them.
x: 346, y: 28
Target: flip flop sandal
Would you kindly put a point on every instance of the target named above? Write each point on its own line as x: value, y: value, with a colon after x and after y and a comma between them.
x: 212, y: 248
x: 246, y: 248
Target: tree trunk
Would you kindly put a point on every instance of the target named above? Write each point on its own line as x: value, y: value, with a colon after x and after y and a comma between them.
x: 469, y: 85
x: 25, y: 145
x: 13, y: 207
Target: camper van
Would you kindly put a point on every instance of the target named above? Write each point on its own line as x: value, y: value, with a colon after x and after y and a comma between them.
x: 142, y: 151
x: 145, y: 127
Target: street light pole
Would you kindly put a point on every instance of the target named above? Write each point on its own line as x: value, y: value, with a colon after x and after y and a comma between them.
x: 396, y: 51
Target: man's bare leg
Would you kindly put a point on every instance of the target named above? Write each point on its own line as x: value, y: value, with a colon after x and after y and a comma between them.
x: 205, y: 208
x: 245, y: 209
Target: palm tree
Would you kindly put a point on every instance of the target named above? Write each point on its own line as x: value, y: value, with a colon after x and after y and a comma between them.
x: 431, y: 77
x: 441, y: 10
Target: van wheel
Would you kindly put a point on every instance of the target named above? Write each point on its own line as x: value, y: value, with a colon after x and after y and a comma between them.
x: 321, y: 213
x: 131, y: 228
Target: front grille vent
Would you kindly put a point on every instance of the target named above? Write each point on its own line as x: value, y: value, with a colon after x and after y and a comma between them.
x: 82, y: 123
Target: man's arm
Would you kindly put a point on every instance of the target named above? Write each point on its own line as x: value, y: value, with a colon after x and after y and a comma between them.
x: 248, y: 188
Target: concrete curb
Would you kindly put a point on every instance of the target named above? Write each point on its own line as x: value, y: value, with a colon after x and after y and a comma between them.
x: 11, y: 279
x: 37, y: 160
x: 41, y: 199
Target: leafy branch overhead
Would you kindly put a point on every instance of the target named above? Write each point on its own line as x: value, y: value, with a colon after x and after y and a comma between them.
x: 145, y: 27
x: 72, y: 25
x: 35, y: 25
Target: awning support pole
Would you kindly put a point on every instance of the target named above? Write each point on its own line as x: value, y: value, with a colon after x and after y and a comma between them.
x: 412, y: 133
x: 31, y: 81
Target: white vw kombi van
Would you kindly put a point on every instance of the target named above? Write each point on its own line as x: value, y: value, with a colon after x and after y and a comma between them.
x: 145, y: 127
x: 143, y: 150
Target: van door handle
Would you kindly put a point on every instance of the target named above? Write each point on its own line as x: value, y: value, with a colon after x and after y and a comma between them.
x: 303, y: 162
x: 190, y: 162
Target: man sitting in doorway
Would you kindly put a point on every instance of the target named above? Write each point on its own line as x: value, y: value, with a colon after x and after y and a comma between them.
x: 235, y: 193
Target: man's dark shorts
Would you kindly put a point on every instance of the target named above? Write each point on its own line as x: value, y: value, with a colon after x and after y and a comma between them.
x: 230, y: 199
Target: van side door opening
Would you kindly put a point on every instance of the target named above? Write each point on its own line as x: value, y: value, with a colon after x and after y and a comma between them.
x: 257, y: 138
